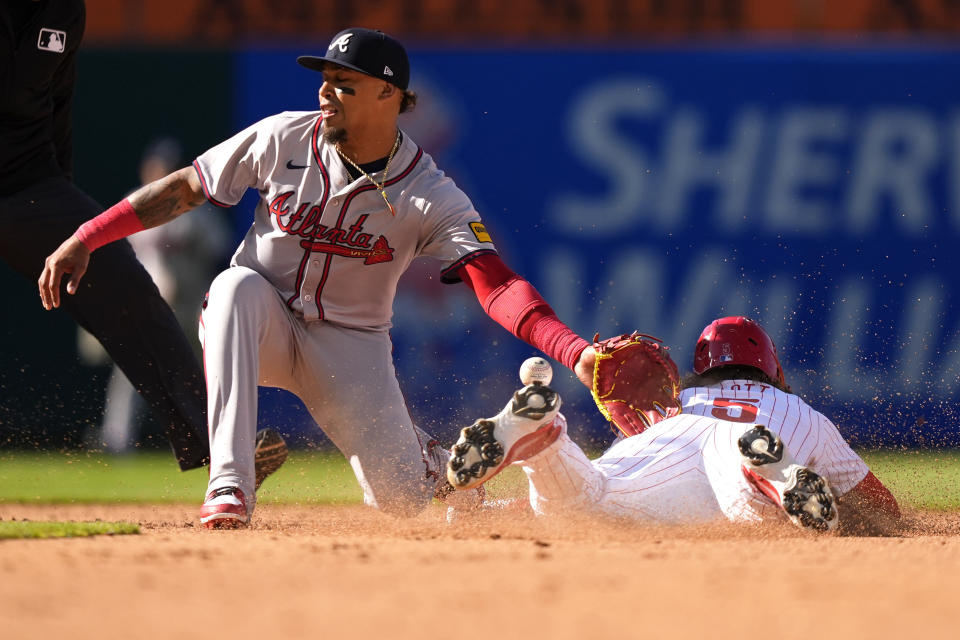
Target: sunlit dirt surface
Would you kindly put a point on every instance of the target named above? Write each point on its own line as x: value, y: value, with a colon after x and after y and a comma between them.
x: 350, y: 572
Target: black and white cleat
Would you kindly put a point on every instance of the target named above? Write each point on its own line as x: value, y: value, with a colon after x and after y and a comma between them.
x: 760, y: 446
x: 801, y: 492
x: 525, y: 427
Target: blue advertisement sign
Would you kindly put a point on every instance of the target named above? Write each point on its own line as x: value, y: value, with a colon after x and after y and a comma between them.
x: 816, y: 191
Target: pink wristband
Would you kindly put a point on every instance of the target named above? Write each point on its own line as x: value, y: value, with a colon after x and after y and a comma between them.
x: 119, y: 221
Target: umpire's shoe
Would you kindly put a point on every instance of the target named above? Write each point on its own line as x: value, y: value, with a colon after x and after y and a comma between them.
x: 270, y: 453
x: 526, y: 426
x: 804, y: 495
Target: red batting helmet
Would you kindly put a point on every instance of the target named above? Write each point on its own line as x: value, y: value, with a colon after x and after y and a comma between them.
x: 736, y: 340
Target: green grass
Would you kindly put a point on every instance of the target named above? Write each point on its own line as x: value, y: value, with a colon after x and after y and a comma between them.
x: 921, y: 479
x: 30, y: 529
x: 153, y: 477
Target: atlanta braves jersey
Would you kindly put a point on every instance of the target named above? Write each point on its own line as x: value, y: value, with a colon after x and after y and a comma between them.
x: 687, y: 469
x: 330, y: 244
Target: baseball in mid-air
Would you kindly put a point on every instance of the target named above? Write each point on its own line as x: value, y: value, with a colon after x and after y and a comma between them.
x: 536, y: 370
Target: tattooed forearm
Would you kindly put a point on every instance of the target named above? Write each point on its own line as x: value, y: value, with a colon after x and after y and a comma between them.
x: 163, y: 200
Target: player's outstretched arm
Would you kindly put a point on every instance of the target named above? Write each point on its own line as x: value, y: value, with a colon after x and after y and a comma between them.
x: 167, y: 198
x: 150, y: 206
x: 514, y: 304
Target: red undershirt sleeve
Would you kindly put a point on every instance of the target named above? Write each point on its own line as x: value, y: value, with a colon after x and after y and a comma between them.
x: 515, y: 304
x: 873, y: 492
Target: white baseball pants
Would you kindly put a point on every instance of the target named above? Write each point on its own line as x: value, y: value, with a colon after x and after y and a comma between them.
x: 686, y: 470
x: 344, y: 376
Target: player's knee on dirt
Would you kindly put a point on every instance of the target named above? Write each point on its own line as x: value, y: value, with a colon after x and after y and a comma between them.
x: 402, y: 491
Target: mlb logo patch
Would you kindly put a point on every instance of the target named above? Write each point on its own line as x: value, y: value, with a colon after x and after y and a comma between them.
x: 726, y: 358
x: 52, y: 40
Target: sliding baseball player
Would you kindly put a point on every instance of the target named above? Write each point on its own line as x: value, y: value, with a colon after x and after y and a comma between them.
x: 743, y: 448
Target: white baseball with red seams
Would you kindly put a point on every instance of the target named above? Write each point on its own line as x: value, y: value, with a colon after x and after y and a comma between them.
x: 535, y: 370
x: 687, y: 469
x: 324, y: 247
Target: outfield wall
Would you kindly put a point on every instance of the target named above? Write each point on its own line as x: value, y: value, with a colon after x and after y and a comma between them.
x: 654, y: 189
x: 814, y: 189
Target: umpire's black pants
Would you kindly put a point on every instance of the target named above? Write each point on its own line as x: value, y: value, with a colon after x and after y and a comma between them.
x: 119, y: 304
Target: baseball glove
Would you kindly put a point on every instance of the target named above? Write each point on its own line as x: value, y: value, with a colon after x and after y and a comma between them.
x: 635, y: 383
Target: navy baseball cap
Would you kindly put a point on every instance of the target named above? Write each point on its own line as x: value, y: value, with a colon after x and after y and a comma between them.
x: 366, y: 50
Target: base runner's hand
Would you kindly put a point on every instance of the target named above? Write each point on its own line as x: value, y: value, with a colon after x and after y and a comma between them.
x: 70, y: 257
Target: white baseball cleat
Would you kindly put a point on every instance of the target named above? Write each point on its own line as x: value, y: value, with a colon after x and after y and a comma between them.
x: 438, y: 457
x: 525, y: 427
x: 803, y: 494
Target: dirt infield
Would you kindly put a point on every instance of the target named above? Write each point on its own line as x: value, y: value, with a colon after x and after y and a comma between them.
x: 348, y: 572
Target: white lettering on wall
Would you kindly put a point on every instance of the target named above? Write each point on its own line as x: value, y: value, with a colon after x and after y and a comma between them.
x: 690, y: 165
x: 801, y: 169
x: 896, y: 154
x: 632, y: 293
x: 804, y: 169
x: 593, y: 124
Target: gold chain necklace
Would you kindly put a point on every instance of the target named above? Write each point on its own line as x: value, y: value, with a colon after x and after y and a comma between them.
x: 386, y: 169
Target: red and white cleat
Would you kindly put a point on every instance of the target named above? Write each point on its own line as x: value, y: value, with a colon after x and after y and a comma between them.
x: 526, y: 426
x: 224, y: 508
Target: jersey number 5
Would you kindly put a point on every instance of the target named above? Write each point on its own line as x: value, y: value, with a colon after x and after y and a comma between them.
x: 735, y: 410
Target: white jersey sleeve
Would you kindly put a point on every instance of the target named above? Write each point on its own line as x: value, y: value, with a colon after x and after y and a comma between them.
x: 332, y: 244
x: 809, y: 435
x: 230, y: 168
x: 452, y: 231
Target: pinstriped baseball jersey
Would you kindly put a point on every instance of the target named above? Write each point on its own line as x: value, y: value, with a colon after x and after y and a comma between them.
x: 687, y: 469
x: 809, y: 435
x: 329, y: 244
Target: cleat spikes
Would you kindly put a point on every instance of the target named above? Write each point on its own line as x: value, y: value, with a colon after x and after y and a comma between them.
x: 760, y: 446
x: 810, y: 501
x: 525, y: 426
x: 492, y: 452
x: 534, y: 401
x: 803, y: 494
x: 485, y: 432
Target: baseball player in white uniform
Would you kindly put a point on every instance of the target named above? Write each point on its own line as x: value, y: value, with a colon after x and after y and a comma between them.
x: 743, y: 449
x: 347, y: 201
